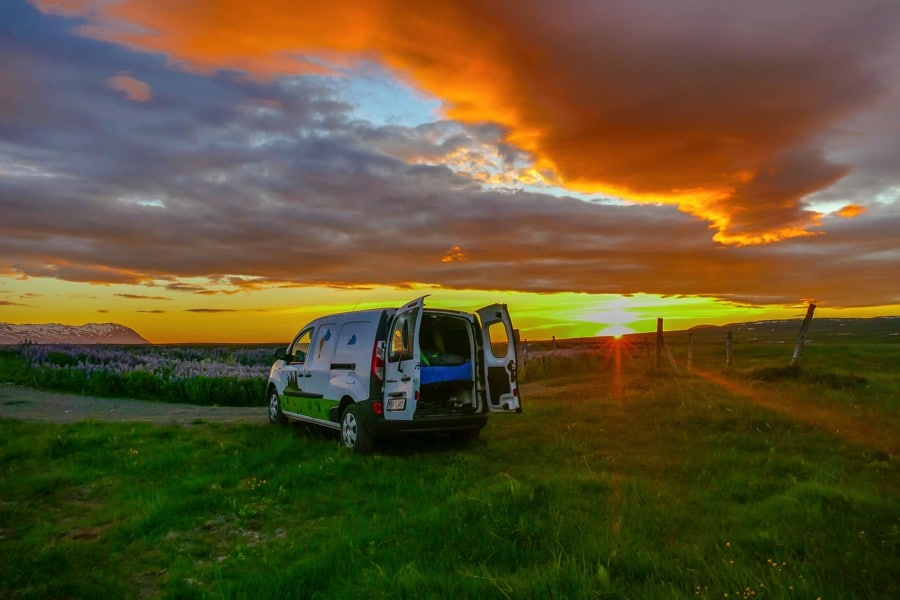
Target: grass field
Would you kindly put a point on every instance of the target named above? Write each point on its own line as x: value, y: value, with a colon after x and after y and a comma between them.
x: 621, y: 481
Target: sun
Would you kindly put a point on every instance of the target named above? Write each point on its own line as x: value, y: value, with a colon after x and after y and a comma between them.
x: 613, y: 316
x: 616, y: 331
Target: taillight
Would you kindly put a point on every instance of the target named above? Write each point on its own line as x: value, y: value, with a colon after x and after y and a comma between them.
x: 378, y: 360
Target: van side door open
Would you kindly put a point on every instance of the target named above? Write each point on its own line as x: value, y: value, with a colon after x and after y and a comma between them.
x: 500, y: 360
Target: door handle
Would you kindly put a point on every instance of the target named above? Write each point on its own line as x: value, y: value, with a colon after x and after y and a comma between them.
x: 307, y: 374
x: 405, y: 378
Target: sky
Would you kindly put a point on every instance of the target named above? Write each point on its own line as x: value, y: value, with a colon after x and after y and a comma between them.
x: 203, y: 172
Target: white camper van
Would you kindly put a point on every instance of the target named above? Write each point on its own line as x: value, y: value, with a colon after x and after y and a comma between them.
x: 384, y: 371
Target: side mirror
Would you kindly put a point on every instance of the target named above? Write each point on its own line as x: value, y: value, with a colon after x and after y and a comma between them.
x: 281, y: 354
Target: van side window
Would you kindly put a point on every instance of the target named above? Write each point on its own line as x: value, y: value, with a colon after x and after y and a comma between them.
x: 401, y: 336
x: 300, y: 347
x: 321, y: 350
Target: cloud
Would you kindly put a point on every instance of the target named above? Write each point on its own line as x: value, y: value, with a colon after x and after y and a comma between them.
x: 454, y: 254
x: 186, y: 287
x: 264, y: 181
x: 725, y: 110
x: 141, y: 297
x: 210, y: 310
x: 851, y: 210
x: 134, y: 90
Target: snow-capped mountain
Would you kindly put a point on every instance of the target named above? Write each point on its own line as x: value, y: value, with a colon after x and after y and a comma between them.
x: 56, y: 333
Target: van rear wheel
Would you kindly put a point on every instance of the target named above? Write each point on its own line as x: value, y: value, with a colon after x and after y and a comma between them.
x: 354, y: 434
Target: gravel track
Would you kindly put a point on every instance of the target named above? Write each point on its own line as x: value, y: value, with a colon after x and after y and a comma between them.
x: 29, y: 404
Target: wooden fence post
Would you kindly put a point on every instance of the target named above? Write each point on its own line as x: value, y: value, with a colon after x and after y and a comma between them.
x: 728, y: 349
x: 661, y: 347
x: 659, y: 341
x: 801, y: 337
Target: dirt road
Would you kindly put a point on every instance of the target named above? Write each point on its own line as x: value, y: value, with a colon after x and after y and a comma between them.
x: 39, y: 405
x: 29, y: 404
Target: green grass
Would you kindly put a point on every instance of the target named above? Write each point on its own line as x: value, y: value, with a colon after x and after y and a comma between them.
x: 646, y: 486
x: 753, y: 481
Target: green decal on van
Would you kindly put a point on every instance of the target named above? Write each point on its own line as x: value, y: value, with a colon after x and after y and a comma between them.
x: 317, y: 408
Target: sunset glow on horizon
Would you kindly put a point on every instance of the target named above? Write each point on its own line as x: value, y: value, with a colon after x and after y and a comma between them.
x: 204, y: 173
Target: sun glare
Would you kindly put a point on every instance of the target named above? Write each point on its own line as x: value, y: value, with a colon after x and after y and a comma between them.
x: 616, y: 331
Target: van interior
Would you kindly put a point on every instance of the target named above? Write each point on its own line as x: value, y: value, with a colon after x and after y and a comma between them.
x: 447, y: 368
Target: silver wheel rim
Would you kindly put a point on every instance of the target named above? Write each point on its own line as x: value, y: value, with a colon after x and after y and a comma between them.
x: 273, y: 406
x: 349, y: 429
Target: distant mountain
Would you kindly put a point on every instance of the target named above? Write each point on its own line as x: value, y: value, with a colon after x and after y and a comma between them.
x: 55, y: 333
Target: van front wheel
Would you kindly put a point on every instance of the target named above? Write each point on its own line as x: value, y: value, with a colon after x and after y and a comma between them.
x: 354, y: 433
x: 275, y: 414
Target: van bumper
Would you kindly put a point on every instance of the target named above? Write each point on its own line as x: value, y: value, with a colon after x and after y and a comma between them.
x: 378, y: 425
x: 382, y: 426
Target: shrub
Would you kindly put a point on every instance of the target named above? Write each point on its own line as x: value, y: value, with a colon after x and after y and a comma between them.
x: 193, y: 374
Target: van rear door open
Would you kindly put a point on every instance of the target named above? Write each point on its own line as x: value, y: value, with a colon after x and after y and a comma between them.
x: 401, y: 369
x: 500, y: 361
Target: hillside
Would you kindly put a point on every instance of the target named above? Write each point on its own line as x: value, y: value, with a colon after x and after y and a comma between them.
x: 884, y: 329
x: 824, y: 328
x: 56, y: 333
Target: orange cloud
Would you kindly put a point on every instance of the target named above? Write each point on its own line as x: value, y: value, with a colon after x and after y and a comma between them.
x: 454, y: 254
x: 134, y: 90
x: 851, y: 210
x: 652, y: 104
x: 86, y: 273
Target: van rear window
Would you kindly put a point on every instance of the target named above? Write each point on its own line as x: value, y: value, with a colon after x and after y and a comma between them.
x: 402, y: 336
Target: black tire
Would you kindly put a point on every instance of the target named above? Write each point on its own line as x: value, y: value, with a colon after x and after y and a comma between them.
x: 275, y: 414
x: 354, y: 433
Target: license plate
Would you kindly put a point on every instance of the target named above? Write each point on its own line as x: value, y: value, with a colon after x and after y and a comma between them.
x: 396, y: 403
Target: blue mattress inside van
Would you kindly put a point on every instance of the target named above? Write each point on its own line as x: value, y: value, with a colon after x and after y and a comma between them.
x: 432, y: 374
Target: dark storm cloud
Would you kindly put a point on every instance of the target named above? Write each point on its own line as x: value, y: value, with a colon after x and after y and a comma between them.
x: 253, y: 183
x: 692, y: 103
